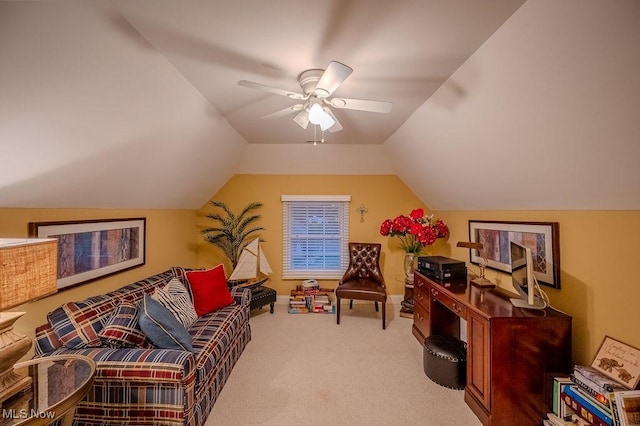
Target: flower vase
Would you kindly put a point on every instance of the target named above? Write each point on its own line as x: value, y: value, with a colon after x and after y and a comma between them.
x: 409, y: 266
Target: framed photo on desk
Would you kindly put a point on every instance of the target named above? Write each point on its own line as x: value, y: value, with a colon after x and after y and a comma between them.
x: 541, y: 237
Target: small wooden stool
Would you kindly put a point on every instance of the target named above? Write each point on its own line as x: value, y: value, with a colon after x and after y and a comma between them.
x: 261, y: 296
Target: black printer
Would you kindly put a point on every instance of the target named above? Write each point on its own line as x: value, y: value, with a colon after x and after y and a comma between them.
x: 442, y: 268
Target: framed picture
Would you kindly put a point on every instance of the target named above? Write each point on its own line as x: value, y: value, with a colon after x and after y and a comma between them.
x: 618, y: 361
x: 541, y: 237
x: 92, y: 249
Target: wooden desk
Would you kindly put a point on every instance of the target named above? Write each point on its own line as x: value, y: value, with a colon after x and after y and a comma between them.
x: 509, y: 349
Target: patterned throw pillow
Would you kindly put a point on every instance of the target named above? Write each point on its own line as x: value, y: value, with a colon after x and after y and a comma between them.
x: 162, y: 328
x: 175, y: 297
x: 181, y: 274
x: 77, y: 324
x: 122, y: 330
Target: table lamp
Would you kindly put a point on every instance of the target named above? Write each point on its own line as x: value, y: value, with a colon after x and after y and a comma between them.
x: 28, y: 271
x: 480, y: 281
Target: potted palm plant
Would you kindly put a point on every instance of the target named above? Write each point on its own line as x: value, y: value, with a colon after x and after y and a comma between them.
x: 232, y: 232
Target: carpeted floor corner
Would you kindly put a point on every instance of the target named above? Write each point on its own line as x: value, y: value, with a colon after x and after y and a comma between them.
x: 305, y: 369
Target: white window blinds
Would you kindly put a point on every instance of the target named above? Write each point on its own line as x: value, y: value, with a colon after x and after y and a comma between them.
x: 315, y: 236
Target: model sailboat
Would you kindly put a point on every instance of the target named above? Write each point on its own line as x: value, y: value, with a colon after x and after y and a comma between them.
x: 252, y: 269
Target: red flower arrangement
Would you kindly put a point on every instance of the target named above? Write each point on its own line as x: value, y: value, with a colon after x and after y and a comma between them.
x: 416, y: 231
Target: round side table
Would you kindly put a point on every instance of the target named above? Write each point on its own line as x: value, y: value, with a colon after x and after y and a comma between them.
x: 58, y: 383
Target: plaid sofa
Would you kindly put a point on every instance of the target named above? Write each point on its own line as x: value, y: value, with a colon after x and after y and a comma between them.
x: 149, y: 386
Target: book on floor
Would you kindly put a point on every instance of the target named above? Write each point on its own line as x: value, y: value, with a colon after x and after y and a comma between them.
x: 586, y: 407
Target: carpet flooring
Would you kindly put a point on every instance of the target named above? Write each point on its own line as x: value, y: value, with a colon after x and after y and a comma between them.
x: 304, y: 369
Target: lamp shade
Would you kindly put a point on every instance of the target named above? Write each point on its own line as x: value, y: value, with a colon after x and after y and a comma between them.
x: 318, y: 116
x: 28, y: 270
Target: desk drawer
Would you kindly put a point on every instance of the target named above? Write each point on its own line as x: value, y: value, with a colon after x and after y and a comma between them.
x: 421, y: 320
x: 421, y: 296
x: 456, y: 307
x: 421, y: 291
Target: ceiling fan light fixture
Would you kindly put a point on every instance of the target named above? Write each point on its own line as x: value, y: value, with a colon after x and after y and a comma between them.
x: 318, y: 86
x: 302, y: 119
x: 319, y: 116
x: 327, y: 121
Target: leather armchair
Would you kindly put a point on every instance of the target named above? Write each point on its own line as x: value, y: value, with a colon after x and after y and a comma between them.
x: 363, y: 279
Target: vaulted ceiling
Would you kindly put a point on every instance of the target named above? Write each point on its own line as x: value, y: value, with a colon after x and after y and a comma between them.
x: 496, y: 104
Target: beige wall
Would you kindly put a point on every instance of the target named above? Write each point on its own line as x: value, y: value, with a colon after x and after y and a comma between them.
x: 171, y: 240
x: 600, y: 288
x: 384, y: 196
x: 597, y: 248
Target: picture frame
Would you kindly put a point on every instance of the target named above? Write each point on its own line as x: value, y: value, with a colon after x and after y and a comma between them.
x: 619, y: 361
x: 626, y: 405
x: 543, y: 238
x: 92, y: 249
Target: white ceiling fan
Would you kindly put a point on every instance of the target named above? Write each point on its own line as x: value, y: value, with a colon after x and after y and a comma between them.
x: 317, y: 87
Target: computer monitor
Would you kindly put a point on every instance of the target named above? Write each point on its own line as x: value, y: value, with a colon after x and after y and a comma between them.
x: 524, y: 281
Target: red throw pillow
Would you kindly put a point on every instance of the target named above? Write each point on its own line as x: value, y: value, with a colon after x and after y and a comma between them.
x: 209, y: 289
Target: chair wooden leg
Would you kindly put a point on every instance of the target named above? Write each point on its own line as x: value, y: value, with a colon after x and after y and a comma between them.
x: 338, y: 310
x: 376, y: 305
x: 351, y: 304
x: 384, y: 315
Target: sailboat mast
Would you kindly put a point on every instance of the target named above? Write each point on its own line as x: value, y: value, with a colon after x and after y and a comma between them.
x: 258, y: 260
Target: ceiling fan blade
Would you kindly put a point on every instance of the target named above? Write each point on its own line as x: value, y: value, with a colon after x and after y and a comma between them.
x: 283, y: 112
x: 302, y: 119
x: 336, y: 127
x: 259, y: 86
x: 361, y: 105
x: 332, y: 78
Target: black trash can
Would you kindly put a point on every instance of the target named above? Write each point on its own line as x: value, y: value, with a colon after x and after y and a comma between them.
x: 445, y: 361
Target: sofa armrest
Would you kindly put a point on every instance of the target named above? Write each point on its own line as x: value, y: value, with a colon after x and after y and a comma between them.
x: 129, y: 382
x: 242, y: 296
x: 154, y: 365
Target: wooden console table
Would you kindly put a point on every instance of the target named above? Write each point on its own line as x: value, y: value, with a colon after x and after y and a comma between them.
x: 509, y: 349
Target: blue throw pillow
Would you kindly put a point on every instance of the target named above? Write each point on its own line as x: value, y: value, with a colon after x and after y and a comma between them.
x: 161, y: 326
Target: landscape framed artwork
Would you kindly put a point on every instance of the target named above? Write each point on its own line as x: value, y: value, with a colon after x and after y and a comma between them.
x: 618, y: 361
x: 92, y: 249
x: 541, y: 237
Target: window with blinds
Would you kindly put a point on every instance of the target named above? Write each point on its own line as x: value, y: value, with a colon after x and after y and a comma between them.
x: 315, y: 236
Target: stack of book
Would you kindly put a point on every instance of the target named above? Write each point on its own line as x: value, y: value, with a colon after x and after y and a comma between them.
x: 587, y: 397
x: 320, y: 303
x: 316, y: 300
x: 298, y: 303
